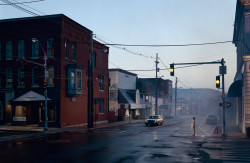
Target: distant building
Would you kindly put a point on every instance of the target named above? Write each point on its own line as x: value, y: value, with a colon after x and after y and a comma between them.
x: 164, y: 94
x: 124, y: 95
x: 240, y: 88
x: 68, y: 48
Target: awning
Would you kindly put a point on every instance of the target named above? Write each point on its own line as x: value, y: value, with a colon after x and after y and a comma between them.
x: 235, y: 89
x: 29, y: 97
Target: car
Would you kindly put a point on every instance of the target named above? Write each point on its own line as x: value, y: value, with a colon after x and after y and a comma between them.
x: 154, y: 120
x: 211, y: 119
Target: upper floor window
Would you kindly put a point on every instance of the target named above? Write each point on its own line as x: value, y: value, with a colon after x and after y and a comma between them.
x: 21, y: 49
x: 50, y: 48
x: 9, y: 50
x: 9, y: 78
x: 35, y: 77
x: 50, y: 76
x: 74, y: 81
x: 94, y: 60
x: 21, y: 81
x: 35, y: 49
x: 101, y: 105
x: 74, y: 51
x: 66, y: 49
x: 101, y: 82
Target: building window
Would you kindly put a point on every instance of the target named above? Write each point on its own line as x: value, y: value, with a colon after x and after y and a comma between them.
x: 74, y: 51
x: 9, y: 78
x: 101, y: 105
x: 66, y: 49
x: 50, y: 76
x: 35, y: 77
x: 9, y: 50
x: 35, y: 49
x: 50, y: 48
x: 74, y: 81
x: 94, y: 60
x: 78, y: 79
x: 101, y: 82
x: 21, y: 76
x: 21, y: 49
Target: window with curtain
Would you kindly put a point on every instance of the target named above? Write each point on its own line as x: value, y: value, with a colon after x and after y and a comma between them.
x: 74, y: 81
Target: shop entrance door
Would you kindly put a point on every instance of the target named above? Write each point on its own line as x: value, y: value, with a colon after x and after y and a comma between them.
x: 32, y: 115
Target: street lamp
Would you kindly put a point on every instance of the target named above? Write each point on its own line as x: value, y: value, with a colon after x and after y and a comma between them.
x: 45, y: 87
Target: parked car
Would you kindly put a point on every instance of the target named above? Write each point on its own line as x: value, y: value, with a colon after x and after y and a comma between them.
x: 211, y: 119
x: 154, y: 120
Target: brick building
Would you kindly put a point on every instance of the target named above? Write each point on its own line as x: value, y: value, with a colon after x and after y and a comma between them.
x: 68, y: 48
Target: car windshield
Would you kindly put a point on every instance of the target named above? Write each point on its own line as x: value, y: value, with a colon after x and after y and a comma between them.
x: 153, y: 117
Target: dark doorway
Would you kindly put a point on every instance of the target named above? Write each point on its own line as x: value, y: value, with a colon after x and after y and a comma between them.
x: 32, y: 114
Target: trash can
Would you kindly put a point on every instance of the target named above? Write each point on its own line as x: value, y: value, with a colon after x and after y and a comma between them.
x: 248, y: 131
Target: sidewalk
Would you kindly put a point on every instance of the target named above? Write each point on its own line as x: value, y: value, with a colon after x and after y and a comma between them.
x: 33, y: 130
x: 231, y: 130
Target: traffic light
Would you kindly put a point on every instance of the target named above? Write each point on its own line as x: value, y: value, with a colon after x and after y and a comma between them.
x: 218, y: 81
x: 45, y: 84
x: 228, y: 104
x: 171, y: 69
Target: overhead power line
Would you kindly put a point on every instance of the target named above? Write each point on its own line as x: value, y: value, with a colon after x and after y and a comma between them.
x: 171, y: 45
x: 19, y: 7
x: 18, y: 3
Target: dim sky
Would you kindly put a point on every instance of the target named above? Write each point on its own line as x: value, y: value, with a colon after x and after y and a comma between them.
x: 154, y: 22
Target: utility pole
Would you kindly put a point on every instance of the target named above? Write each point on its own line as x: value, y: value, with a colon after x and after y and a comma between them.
x: 90, y: 85
x: 223, y: 71
x: 156, y: 86
x: 175, y: 99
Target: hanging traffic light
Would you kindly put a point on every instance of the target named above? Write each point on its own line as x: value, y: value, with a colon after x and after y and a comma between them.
x: 218, y: 81
x: 228, y: 104
x: 45, y: 84
x: 171, y: 69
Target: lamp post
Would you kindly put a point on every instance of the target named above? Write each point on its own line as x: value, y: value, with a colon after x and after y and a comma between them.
x: 45, y: 86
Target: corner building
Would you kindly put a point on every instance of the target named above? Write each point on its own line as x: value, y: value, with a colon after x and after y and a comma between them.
x: 67, y: 45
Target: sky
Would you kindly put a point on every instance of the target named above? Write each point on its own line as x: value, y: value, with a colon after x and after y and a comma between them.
x: 158, y: 22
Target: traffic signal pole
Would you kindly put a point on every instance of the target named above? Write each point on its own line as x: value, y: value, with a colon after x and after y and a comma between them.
x: 223, y: 99
x: 156, y: 86
x: 222, y: 72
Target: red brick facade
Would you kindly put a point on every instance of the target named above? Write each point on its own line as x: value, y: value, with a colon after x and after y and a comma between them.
x: 68, y: 48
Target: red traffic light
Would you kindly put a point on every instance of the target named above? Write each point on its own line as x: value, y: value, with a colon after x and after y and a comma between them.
x: 228, y: 104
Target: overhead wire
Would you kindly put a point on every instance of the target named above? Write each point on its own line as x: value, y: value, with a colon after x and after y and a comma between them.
x: 20, y: 8
x: 23, y: 2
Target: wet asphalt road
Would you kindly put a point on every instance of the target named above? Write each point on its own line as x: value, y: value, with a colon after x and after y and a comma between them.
x: 171, y: 142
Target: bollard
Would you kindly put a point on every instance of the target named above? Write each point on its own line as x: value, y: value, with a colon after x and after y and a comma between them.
x: 216, y: 129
